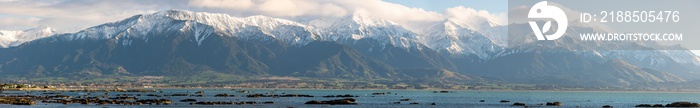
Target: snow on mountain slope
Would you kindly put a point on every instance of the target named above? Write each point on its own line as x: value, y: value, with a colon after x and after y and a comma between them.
x: 457, y: 36
x: 682, y: 56
x: 640, y: 54
x: 16, y: 38
x: 8, y: 37
x: 343, y: 29
x: 140, y: 25
x: 359, y: 26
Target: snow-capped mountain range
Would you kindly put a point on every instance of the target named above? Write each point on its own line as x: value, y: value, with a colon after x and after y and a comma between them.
x: 456, y: 36
x: 185, y: 41
x: 342, y: 29
x: 202, y: 24
x: 452, y: 36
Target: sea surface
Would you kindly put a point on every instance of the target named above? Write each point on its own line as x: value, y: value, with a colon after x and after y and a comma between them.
x: 454, y: 99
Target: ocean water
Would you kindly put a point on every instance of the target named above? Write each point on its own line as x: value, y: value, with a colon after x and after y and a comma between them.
x: 455, y: 99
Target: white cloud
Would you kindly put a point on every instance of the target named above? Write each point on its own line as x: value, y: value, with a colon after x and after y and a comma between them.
x: 415, y: 18
x: 232, y: 4
x: 474, y: 16
x: 332, y: 10
x: 2, y: 1
x: 392, y: 11
x: 72, y: 15
x: 298, y: 8
x: 13, y: 23
x: 412, y: 18
x: 275, y: 8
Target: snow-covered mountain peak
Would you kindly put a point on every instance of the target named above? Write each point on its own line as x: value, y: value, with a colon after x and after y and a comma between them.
x: 8, y: 35
x: 200, y: 25
x: 365, y: 20
x: 10, y: 38
x: 460, y: 36
x: 222, y: 19
x: 189, y: 15
x: 476, y: 24
x: 360, y: 26
x: 269, y: 22
x: 36, y: 33
x: 355, y: 21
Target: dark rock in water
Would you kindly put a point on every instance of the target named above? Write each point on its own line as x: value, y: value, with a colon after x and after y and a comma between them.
x: 285, y: 95
x: 643, y: 105
x: 292, y: 95
x: 607, y: 106
x: 442, y: 91
x: 249, y: 102
x: 268, y: 102
x: 188, y: 100
x: 553, y: 104
x: 433, y: 104
x: 407, y: 99
x: 102, y: 102
x: 223, y: 95
x: 124, y: 98
x: 482, y: 100
x: 346, y: 101
x: 683, y: 104
x: 343, y: 96
x: 257, y: 95
x: 17, y: 102
x: 504, y: 101
x: 314, y: 102
x: 518, y: 104
x: 60, y: 96
x: 243, y: 91
x: 223, y: 103
x: 178, y: 95
x: 674, y: 104
x: 379, y: 93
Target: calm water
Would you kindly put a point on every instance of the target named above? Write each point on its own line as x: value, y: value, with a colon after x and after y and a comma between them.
x: 424, y: 97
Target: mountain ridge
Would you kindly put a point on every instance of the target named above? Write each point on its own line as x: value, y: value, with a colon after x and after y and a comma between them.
x: 180, y: 43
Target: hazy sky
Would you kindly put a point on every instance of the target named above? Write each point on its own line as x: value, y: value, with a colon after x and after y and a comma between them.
x: 73, y: 15
x: 494, y: 6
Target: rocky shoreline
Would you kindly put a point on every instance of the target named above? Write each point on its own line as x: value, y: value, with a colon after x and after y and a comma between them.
x: 157, y: 97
